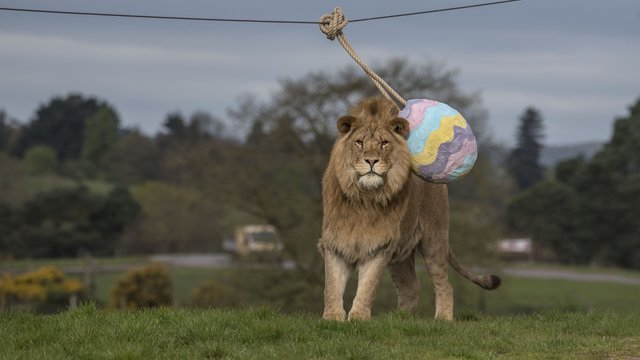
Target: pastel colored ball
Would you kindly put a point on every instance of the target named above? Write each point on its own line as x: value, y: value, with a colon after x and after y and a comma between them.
x: 441, y: 142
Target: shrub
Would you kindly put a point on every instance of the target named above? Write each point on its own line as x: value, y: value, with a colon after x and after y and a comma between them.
x: 41, y: 159
x: 145, y: 287
x: 213, y: 294
x: 47, y: 288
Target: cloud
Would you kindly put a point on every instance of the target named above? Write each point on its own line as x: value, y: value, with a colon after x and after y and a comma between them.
x: 575, y: 72
x: 149, y: 77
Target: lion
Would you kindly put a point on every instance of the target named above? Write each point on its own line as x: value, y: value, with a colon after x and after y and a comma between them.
x: 377, y: 215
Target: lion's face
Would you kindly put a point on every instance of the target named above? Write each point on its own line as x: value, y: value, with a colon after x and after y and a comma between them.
x: 371, y: 151
x: 370, y: 155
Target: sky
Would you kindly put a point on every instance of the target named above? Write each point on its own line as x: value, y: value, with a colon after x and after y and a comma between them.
x: 578, y: 62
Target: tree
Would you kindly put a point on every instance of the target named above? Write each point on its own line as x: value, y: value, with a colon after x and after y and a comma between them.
x: 133, y: 159
x: 200, y: 126
x: 524, y: 161
x: 100, y: 134
x: 9, y: 225
x: 175, y: 125
x: 14, y: 188
x: 173, y: 219
x: 118, y: 211
x: 203, y: 134
x: 203, y: 125
x: 548, y: 212
x: 60, y: 124
x: 567, y: 171
x: 6, y: 131
x: 66, y: 222
x: 610, y: 186
x: 590, y: 212
x: 41, y: 159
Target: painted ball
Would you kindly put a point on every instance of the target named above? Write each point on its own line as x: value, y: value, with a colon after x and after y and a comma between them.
x: 441, y: 142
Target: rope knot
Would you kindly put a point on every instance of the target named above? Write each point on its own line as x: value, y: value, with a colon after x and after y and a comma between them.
x: 332, y: 24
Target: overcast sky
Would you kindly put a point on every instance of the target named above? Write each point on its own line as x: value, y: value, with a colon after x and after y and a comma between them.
x: 576, y: 61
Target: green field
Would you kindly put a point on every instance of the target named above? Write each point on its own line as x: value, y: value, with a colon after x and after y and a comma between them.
x: 261, y: 333
x: 515, y: 296
x: 524, y: 319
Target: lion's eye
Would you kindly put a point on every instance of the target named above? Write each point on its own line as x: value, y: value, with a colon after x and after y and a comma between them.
x: 359, y: 143
x: 384, y: 143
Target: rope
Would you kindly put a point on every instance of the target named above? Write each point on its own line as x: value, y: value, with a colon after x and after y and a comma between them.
x: 332, y: 25
x: 159, y: 17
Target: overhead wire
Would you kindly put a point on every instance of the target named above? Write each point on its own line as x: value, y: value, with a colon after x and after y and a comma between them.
x: 161, y: 17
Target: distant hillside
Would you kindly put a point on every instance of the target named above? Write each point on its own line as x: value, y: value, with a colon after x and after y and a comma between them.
x: 552, y: 154
x: 549, y: 156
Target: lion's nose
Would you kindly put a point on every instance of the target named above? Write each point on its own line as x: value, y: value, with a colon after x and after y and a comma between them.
x: 371, y: 161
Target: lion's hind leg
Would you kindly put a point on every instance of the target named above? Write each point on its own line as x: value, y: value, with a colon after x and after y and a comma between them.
x: 438, y: 267
x: 406, y: 281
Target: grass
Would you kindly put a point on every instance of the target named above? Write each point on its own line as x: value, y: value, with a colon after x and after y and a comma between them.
x: 183, y: 280
x: 261, y: 333
x: 556, y: 319
x: 516, y: 295
x: 524, y: 295
x: 633, y: 274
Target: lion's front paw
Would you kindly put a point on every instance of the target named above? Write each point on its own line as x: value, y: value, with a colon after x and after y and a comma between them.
x: 359, y: 315
x: 334, y: 315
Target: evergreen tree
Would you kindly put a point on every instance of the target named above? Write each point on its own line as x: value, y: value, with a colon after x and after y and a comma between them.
x: 175, y: 125
x: 524, y: 161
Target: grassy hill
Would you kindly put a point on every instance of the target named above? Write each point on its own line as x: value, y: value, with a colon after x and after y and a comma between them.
x: 261, y: 333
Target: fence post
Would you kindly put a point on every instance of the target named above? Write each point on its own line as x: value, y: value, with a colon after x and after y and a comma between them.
x: 73, y: 301
x: 88, y: 275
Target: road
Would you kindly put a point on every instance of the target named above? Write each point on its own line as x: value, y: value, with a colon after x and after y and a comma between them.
x: 221, y: 260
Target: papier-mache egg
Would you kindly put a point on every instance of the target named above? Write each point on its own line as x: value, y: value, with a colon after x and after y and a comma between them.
x: 441, y: 142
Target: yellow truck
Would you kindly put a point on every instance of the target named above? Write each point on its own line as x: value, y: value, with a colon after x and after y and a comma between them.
x: 261, y: 241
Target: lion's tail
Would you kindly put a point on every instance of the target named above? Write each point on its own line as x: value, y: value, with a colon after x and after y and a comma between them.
x: 488, y: 282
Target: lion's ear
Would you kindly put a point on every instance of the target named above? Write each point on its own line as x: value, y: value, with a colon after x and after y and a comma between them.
x: 345, y: 123
x: 400, y: 126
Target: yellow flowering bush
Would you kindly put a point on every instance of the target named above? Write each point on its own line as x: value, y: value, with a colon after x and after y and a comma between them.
x: 145, y: 287
x: 45, y: 285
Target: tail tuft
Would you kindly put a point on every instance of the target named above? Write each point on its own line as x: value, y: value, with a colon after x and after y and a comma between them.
x: 487, y: 282
x: 492, y: 282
